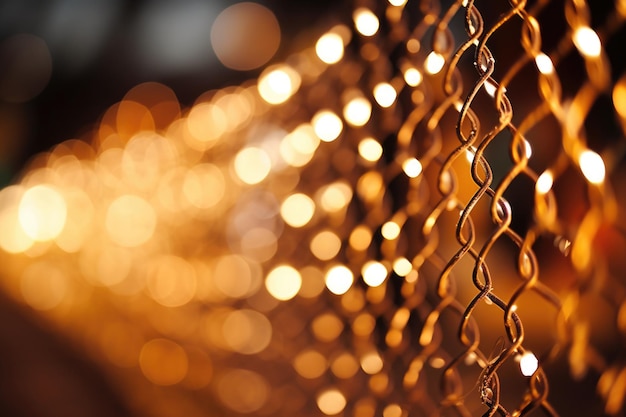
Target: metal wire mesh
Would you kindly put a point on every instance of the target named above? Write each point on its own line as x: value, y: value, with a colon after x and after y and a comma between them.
x: 460, y: 159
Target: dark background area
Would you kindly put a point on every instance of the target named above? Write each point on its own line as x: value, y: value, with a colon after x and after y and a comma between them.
x: 99, y: 49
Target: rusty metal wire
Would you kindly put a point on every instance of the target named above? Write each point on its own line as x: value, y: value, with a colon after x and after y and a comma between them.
x: 469, y: 173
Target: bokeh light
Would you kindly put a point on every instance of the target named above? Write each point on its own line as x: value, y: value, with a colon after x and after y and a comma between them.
x: 297, y: 210
x: 339, y: 279
x: 283, y: 282
x: 330, y: 48
x: 252, y: 165
x: 331, y: 402
x: 163, y: 362
x: 42, y: 213
x: 130, y: 221
x: 245, y: 36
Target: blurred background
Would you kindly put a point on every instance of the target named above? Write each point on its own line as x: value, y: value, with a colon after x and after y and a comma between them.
x: 62, y: 64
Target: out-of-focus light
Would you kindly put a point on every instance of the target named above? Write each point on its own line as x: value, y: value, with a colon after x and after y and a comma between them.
x: 587, y: 42
x: 339, y: 279
x: 344, y: 366
x: 412, y: 167
x: 331, y: 402
x: 619, y: 97
x: 297, y: 148
x: 434, y: 62
x: 397, y: 2
x: 402, y: 266
x: 592, y: 166
x: 544, y: 182
x: 528, y: 364
x: 330, y: 48
x: 130, y: 221
x: 278, y: 84
x: 544, y: 64
x: 310, y: 364
x: 385, y: 94
x: 470, y: 153
x: 365, y: 21
x: 163, y: 362
x: 236, y: 276
x: 392, y: 410
x: 325, y: 245
x: 252, y: 165
x: 528, y: 150
x: 79, y: 221
x: 335, y: 197
x: 360, y: 238
x: 390, y: 230
x: 490, y: 88
x: 327, y: 327
x: 283, y: 282
x: 171, y: 281
x: 370, y: 149
x: 259, y: 244
x: 13, y: 238
x: 357, y: 111
x: 371, y: 363
x: 204, y: 186
x: 205, y: 123
x: 246, y: 331
x: 297, y: 210
x: 245, y: 36
x: 327, y: 125
x: 413, y: 77
x: 374, y: 273
x: 44, y: 286
x: 243, y: 391
x: 42, y: 213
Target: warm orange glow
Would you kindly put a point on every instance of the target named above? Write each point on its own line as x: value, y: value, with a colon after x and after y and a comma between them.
x: 335, y: 197
x: 42, y: 213
x: 339, y: 279
x: 587, y: 42
x: 370, y: 149
x: 325, y: 245
x: 330, y: 48
x: 130, y: 221
x: 252, y: 165
x: 246, y: 331
x: 243, y: 391
x: 283, y: 282
x: 163, y: 362
x: 310, y: 364
x: 544, y: 64
x: 171, y: 281
x: 374, y: 273
x: 434, y: 62
x: 385, y: 94
x: 592, y: 166
x: 277, y: 84
x: 390, y: 230
x: 357, y: 111
x: 327, y: 125
x: 412, y: 167
x: 528, y: 364
x: 297, y: 210
x: 366, y: 21
x: 544, y: 183
x: 331, y: 402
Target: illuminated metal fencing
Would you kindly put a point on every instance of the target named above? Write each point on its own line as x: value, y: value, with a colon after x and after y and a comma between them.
x: 420, y: 215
